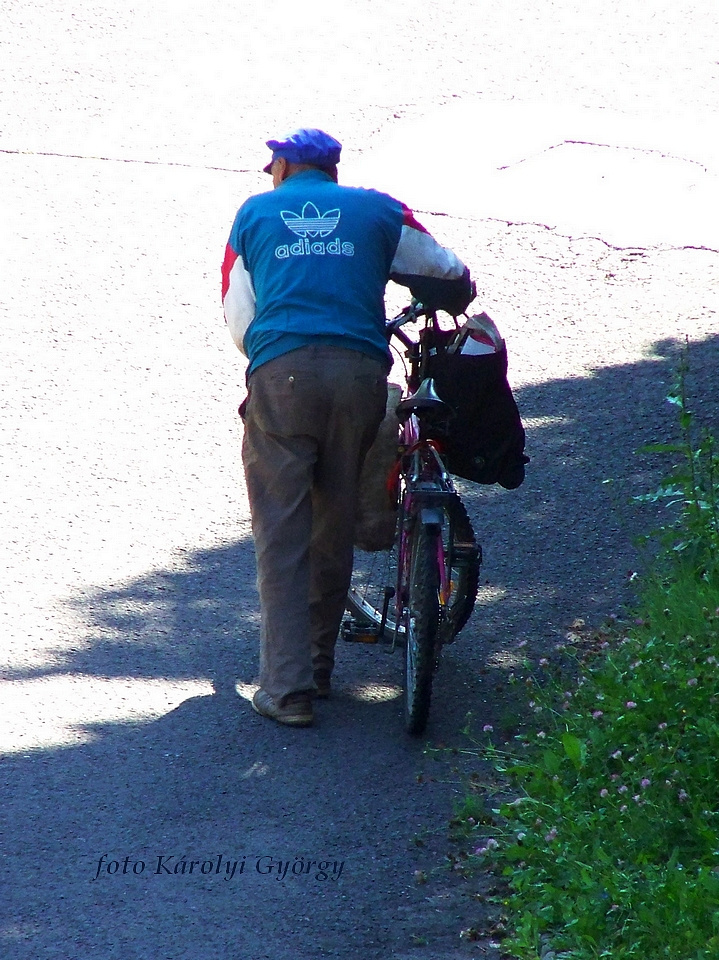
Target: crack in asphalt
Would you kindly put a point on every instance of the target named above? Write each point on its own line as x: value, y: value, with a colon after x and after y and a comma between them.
x: 431, y: 213
x: 151, y: 163
x: 606, y: 146
x: 566, y: 235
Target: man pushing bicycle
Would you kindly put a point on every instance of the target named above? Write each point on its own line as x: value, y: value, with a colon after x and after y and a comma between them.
x: 303, y: 284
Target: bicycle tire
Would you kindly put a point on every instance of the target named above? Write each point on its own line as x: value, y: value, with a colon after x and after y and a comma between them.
x: 464, y: 572
x: 422, y: 626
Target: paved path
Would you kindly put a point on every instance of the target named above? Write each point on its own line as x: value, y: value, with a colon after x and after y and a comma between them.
x: 634, y: 180
x: 128, y: 137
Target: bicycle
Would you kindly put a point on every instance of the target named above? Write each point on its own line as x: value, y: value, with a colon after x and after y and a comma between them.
x: 421, y: 592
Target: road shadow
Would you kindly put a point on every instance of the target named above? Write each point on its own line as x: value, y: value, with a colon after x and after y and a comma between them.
x: 562, y: 546
x: 212, y: 780
x: 198, y: 620
x: 565, y: 545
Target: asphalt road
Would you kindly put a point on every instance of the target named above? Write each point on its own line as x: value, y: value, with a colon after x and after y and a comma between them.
x: 128, y: 137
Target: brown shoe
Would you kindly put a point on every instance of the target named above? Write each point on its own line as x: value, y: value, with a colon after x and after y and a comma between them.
x: 295, y: 709
x: 322, y: 684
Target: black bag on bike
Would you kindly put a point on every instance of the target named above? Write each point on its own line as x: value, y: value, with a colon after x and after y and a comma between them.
x: 484, y: 441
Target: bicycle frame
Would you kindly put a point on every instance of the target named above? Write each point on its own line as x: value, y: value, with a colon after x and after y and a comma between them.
x: 426, y: 484
x: 433, y: 586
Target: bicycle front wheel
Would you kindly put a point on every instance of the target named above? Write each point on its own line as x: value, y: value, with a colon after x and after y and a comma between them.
x: 422, y: 626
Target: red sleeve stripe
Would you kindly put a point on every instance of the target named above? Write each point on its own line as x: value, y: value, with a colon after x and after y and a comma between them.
x: 411, y: 221
x: 227, y: 265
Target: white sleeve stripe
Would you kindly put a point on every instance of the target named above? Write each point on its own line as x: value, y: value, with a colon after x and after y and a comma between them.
x: 239, y: 303
x: 419, y: 254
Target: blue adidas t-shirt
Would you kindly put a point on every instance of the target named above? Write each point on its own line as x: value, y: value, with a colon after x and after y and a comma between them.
x: 318, y: 255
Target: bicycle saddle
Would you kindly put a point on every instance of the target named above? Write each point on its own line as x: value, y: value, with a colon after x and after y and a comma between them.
x: 425, y: 398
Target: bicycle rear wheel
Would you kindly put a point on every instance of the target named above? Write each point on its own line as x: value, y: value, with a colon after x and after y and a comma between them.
x: 373, y: 586
x: 422, y: 626
x: 374, y: 578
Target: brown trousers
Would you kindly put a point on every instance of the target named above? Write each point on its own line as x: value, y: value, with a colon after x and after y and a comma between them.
x: 312, y: 415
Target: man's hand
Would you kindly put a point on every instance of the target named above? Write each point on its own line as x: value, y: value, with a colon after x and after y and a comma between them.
x: 452, y: 296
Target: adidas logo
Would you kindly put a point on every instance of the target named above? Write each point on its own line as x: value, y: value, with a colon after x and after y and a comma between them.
x: 312, y: 223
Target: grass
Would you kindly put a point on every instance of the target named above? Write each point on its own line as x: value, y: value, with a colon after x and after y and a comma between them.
x: 610, y: 847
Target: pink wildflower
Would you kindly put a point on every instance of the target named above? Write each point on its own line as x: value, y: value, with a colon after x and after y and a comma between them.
x: 604, y: 792
x: 693, y: 682
x: 623, y: 789
x: 551, y: 835
x: 597, y: 714
x: 683, y: 795
x: 662, y: 726
x: 544, y: 662
x: 646, y: 782
x: 630, y: 705
x: 488, y: 728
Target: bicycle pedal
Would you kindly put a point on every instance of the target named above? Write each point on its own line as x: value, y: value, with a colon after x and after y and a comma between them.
x: 466, y: 551
x: 354, y: 633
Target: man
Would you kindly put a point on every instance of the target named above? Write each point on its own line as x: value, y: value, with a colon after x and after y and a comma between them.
x: 303, y: 286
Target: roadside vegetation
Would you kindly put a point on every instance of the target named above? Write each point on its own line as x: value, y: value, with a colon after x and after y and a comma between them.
x: 606, y: 833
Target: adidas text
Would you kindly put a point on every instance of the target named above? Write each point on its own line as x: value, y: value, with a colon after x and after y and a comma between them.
x: 304, y: 248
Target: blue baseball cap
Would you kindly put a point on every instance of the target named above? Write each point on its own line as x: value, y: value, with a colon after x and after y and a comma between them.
x: 306, y: 146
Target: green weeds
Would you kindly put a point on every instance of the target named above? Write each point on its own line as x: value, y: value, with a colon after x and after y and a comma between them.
x: 693, y: 539
x: 611, y: 845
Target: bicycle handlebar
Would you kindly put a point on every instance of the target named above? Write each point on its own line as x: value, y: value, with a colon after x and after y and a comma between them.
x: 411, y: 313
